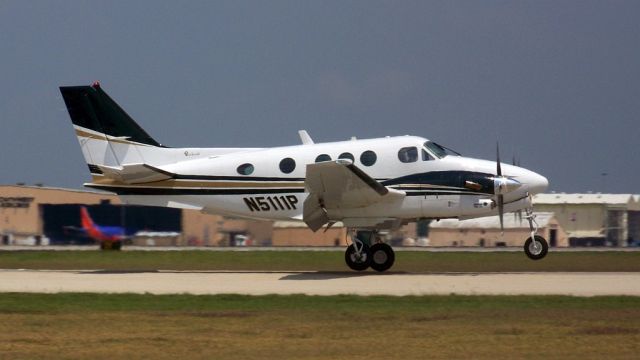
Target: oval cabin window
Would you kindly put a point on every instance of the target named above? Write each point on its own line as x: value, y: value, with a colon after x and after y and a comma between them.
x: 287, y: 165
x: 323, y: 157
x: 245, y: 169
x: 347, y: 155
x: 368, y: 158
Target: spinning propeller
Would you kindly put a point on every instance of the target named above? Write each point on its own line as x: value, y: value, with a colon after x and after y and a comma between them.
x: 518, y: 214
x: 502, y: 185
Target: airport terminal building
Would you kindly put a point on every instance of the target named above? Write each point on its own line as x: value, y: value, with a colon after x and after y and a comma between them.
x: 37, y: 215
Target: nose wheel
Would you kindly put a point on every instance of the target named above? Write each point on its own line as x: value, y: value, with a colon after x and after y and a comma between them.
x: 535, y: 246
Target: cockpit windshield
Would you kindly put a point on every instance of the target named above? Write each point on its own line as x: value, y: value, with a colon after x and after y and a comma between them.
x: 439, y: 150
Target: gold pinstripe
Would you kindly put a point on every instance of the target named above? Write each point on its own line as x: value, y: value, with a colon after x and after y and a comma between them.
x: 104, y: 137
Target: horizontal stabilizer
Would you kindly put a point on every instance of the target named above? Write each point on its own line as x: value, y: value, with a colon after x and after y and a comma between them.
x: 135, y: 173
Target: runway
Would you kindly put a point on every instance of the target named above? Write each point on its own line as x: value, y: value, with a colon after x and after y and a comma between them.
x: 459, y: 249
x: 320, y: 283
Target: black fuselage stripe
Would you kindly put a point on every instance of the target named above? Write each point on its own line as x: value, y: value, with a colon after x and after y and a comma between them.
x: 235, y: 178
x: 200, y: 191
x: 181, y: 191
x: 433, y: 193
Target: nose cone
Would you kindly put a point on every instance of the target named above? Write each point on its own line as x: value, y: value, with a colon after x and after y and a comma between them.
x: 536, y: 183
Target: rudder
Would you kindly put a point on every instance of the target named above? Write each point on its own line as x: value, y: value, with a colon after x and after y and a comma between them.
x: 108, y: 136
x: 91, y: 108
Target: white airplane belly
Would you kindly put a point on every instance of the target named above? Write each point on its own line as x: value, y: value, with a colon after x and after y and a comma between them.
x: 440, y: 206
x: 281, y: 206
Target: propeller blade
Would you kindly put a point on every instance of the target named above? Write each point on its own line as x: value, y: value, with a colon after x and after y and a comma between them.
x: 501, y: 212
x: 498, y: 168
x: 513, y: 160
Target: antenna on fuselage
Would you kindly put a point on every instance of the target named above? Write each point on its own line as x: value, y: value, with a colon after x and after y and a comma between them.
x: 305, y: 138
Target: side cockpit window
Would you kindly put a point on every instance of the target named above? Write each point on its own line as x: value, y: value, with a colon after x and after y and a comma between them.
x: 425, y: 155
x: 439, y: 151
x: 408, y: 154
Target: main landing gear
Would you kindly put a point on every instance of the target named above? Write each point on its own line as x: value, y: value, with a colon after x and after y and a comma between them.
x: 535, y: 246
x: 362, y: 254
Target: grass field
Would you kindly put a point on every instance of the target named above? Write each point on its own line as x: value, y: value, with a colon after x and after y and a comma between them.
x: 406, y: 261
x: 280, y: 327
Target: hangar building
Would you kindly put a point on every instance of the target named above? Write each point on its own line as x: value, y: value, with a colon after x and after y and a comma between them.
x: 296, y: 233
x: 594, y: 219
x: 486, y: 231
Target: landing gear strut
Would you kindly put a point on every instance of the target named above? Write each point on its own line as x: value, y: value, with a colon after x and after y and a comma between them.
x: 535, y: 246
x: 361, y: 253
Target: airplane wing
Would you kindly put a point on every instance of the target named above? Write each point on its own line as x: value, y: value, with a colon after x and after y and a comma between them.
x: 340, y: 185
x: 135, y: 173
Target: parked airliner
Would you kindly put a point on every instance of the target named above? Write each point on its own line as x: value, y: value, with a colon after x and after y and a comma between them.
x: 109, y: 237
x: 367, y: 184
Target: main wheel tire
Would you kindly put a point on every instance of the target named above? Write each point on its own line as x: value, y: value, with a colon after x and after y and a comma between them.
x: 116, y: 245
x: 382, y: 257
x: 355, y: 263
x: 536, y: 250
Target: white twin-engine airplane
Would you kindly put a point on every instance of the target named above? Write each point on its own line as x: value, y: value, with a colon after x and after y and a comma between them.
x: 368, y: 185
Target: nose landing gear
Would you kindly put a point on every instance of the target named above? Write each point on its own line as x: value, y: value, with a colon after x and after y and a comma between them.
x: 535, y: 246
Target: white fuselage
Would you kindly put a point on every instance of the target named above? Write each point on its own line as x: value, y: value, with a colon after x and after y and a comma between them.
x: 217, y: 182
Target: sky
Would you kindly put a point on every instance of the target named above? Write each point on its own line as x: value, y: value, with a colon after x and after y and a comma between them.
x: 556, y: 83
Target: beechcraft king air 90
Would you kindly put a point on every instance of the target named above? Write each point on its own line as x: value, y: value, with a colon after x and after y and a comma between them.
x: 368, y: 185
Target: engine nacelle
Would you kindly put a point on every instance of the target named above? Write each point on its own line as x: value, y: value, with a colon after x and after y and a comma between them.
x: 472, y: 206
x: 484, y: 204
